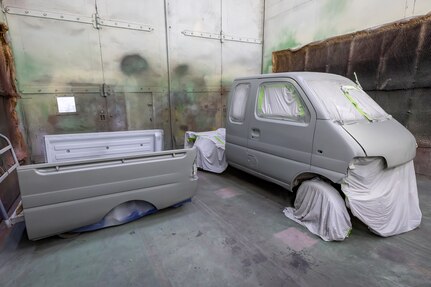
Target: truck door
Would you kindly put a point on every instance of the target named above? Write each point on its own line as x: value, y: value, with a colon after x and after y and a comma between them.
x: 281, y: 129
x: 237, y: 124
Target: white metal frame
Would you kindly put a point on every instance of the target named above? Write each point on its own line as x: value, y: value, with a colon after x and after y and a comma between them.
x: 9, y: 220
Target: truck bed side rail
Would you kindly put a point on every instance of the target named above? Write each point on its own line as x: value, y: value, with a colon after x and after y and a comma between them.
x: 59, y: 197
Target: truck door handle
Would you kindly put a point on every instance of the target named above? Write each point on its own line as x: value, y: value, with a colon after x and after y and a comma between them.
x: 255, y: 133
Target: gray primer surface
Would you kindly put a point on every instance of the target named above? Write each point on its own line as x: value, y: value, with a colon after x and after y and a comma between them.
x: 84, y: 146
x: 64, y: 196
x: 331, y: 146
x: 388, y: 139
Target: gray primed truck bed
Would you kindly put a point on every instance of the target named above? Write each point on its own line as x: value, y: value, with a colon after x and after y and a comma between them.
x: 84, y: 146
x: 60, y: 197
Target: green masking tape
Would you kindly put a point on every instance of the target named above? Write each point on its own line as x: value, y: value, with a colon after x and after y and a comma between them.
x: 260, y: 100
x: 219, y: 139
x: 262, y: 95
x: 355, y: 104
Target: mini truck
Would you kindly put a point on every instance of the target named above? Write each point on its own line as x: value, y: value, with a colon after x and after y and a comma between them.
x: 289, y: 127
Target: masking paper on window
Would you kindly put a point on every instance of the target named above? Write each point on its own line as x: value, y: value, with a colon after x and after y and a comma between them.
x: 279, y: 101
x: 239, y: 101
x: 345, y: 102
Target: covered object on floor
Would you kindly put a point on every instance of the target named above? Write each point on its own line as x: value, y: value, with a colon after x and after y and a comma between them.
x: 385, y: 199
x: 319, y: 207
x: 210, y: 147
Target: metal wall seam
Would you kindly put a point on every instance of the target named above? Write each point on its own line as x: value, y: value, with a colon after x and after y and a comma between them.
x: 167, y: 27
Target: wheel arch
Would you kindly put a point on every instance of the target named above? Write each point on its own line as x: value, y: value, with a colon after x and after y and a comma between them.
x: 300, y: 178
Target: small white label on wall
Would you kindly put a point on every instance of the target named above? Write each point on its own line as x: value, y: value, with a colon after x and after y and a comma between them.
x: 66, y: 104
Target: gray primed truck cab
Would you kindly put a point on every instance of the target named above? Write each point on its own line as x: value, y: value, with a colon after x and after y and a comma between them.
x: 288, y: 127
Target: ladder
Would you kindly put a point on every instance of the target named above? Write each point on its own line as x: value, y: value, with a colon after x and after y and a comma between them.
x: 5, y: 171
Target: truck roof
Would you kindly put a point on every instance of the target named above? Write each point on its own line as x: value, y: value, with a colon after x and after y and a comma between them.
x: 295, y: 75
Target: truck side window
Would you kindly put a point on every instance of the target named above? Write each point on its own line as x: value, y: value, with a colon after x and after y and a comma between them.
x: 281, y: 101
x: 239, y: 101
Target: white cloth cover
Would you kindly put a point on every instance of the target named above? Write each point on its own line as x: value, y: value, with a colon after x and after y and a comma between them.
x: 239, y: 102
x: 278, y: 101
x: 320, y: 208
x: 332, y: 96
x: 384, y: 199
x: 210, y: 148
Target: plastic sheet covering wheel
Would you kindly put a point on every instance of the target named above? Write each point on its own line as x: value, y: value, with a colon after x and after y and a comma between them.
x: 124, y: 213
x: 320, y: 208
x: 210, y: 148
x: 385, y: 199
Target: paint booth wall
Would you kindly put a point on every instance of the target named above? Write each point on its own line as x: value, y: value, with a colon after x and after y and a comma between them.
x: 295, y: 23
x: 86, y: 65
x: 9, y: 191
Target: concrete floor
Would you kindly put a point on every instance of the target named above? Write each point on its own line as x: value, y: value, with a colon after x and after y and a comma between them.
x: 233, y: 234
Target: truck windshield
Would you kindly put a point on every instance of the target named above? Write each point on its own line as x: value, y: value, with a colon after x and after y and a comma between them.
x: 345, y: 102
